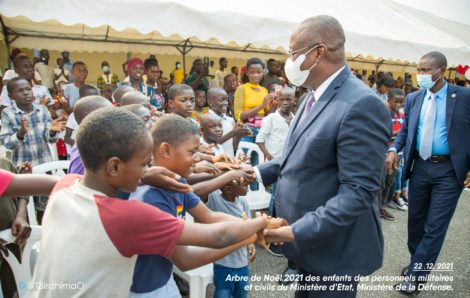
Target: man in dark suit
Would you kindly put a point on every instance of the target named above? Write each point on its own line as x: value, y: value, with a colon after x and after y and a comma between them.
x: 329, y: 174
x: 435, y: 138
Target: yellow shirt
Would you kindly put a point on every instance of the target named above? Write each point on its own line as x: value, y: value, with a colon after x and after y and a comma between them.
x: 178, y: 75
x: 248, y: 96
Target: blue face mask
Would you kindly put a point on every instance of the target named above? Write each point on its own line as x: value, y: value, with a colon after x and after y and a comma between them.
x: 425, y: 81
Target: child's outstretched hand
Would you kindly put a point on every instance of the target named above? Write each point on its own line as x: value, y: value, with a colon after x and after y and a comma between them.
x: 58, y: 125
x: 206, y: 167
x: 164, y: 178
x: 226, y: 166
x: 224, y: 158
x: 240, y: 129
x: 206, y: 149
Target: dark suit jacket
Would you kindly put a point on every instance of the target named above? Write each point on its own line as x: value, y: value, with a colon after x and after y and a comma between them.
x: 458, y: 129
x: 329, y: 180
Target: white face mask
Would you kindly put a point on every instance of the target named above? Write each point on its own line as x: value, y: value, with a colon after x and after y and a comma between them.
x: 294, y: 73
x: 425, y: 81
x: 105, y: 68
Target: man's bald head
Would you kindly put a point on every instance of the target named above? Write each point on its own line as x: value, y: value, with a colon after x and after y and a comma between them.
x: 88, y: 104
x: 325, y: 30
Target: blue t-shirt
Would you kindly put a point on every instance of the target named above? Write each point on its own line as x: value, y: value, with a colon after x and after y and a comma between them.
x: 153, y: 271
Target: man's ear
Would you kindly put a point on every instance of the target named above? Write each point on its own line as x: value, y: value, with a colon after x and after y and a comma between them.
x: 321, y: 52
x: 165, y: 150
x: 113, y: 166
x: 170, y: 103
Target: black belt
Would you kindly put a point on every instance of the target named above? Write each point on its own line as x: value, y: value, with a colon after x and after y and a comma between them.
x: 438, y: 158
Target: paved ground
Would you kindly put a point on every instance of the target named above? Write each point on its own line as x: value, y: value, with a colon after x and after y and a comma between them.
x: 456, y: 250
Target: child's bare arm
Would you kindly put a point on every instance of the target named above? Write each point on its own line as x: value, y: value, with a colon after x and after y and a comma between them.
x: 265, y: 151
x: 31, y: 184
x: 190, y: 257
x: 203, y: 188
x: 221, y: 234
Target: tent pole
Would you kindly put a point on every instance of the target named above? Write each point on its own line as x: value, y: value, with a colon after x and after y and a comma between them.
x: 6, y: 41
x: 182, y: 48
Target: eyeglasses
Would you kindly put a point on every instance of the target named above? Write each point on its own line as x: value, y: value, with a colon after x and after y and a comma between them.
x: 302, y: 49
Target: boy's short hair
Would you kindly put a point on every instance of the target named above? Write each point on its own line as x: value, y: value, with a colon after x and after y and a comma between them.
x: 102, y: 135
x: 176, y: 89
x: 86, y: 89
x: 172, y: 129
x: 88, y: 104
x: 395, y: 92
x: 13, y: 82
x: 77, y: 63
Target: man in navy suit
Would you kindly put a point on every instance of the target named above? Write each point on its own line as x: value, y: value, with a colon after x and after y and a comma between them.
x: 329, y: 174
x: 435, y: 138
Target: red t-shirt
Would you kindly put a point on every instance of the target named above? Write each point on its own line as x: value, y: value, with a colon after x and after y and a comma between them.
x: 5, y: 180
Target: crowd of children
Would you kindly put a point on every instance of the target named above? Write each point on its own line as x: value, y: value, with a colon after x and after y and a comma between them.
x: 169, y: 154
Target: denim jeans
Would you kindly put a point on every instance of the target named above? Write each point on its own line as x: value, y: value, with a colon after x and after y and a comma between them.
x: 227, y: 288
x: 400, y: 183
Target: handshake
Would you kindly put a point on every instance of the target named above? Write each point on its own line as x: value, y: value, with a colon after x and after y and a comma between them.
x: 269, y: 234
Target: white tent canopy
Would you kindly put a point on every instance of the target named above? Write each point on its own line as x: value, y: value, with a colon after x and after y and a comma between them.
x: 374, y: 28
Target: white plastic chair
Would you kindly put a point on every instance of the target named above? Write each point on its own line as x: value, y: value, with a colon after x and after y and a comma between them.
x: 4, y: 152
x: 198, y: 279
x: 257, y: 199
x: 56, y: 168
x: 23, y: 271
x: 33, y: 221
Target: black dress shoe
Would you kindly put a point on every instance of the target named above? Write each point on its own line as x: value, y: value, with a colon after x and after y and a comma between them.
x: 408, y: 288
x: 288, y: 276
x: 404, y: 271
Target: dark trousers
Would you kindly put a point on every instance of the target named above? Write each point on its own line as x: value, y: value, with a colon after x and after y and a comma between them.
x: 433, y: 196
x: 387, y: 188
x: 329, y: 293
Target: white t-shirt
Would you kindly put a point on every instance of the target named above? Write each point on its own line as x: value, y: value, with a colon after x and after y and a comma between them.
x: 273, y: 133
x: 47, y: 74
x: 73, y: 125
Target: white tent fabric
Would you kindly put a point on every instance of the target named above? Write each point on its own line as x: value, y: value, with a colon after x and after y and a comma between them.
x: 374, y: 28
